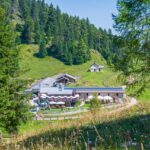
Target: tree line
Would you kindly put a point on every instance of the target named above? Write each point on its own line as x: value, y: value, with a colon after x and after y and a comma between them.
x: 65, y: 37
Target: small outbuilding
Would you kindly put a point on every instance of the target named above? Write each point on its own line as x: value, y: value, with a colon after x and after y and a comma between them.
x: 95, y: 67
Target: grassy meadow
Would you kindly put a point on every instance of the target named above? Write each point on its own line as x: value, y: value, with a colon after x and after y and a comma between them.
x: 37, y: 68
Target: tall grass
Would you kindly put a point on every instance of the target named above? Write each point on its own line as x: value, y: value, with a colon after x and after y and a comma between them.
x: 126, y: 129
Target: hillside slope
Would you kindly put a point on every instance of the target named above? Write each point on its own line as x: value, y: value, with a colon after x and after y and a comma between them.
x: 37, y: 68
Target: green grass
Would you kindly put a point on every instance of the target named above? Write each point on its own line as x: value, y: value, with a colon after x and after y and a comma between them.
x: 33, y: 125
x: 145, y: 96
x: 86, y: 105
x: 37, y: 68
x: 59, y: 110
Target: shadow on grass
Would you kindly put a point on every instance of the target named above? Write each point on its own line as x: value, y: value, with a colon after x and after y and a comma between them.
x: 59, y: 58
x: 37, y: 55
x: 130, y: 132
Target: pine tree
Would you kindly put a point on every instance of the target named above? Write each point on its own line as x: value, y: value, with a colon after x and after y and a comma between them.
x: 69, y: 59
x: 42, y: 14
x: 51, y: 25
x: 58, y: 21
x: 81, y: 52
x: 34, y: 11
x: 66, y: 52
x: 27, y: 34
x: 25, y: 8
x: 38, y: 36
x: 42, y: 51
x: 13, y: 106
x: 133, y: 22
x: 90, y: 37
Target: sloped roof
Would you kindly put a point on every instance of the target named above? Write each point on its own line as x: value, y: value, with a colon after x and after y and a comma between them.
x: 62, y: 78
x: 97, y: 89
x: 47, y: 82
x: 64, y: 75
x: 96, y: 65
x: 56, y: 91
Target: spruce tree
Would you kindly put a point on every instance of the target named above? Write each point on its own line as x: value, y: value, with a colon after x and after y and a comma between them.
x: 51, y: 24
x: 133, y: 23
x: 69, y: 61
x: 13, y: 106
x: 66, y: 52
x: 43, y: 50
x: 27, y: 34
x: 38, y: 36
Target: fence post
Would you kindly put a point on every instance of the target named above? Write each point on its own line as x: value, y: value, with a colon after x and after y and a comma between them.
x: 142, y: 147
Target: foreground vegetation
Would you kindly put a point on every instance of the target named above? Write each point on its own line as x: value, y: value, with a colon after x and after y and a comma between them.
x: 126, y: 129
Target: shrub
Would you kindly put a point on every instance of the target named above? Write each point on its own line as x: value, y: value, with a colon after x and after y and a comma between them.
x: 94, y: 103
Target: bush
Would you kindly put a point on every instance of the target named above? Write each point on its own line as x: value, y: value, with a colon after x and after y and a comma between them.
x: 94, y: 103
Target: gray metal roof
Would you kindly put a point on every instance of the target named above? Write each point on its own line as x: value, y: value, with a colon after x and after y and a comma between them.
x: 64, y: 75
x: 96, y: 65
x: 96, y: 89
x: 47, y: 82
x: 56, y: 91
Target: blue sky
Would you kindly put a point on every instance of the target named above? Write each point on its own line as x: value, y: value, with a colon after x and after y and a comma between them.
x: 99, y: 12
